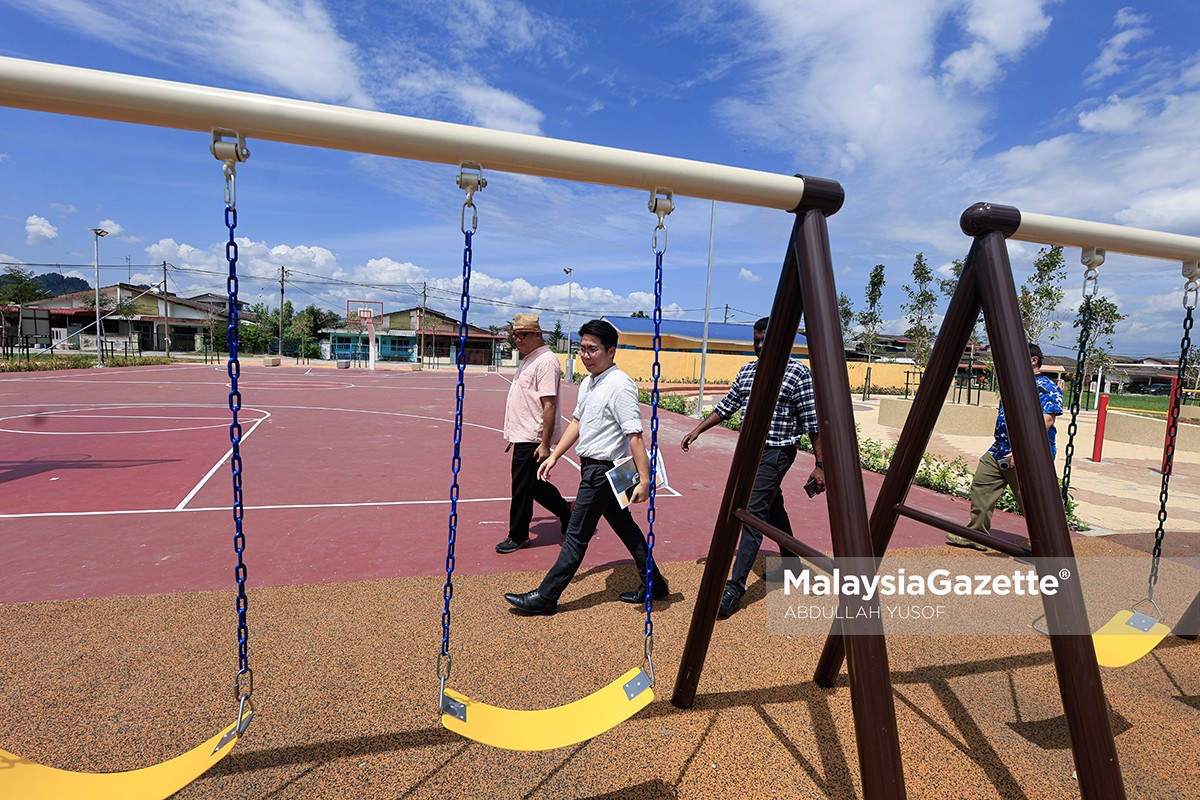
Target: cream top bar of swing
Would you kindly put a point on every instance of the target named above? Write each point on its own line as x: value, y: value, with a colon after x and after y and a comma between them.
x: 1045, y: 229
x: 105, y: 95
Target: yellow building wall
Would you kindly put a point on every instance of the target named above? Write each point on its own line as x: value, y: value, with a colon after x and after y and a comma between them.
x: 720, y: 368
x: 883, y: 376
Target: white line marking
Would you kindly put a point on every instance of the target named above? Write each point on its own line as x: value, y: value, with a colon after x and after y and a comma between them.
x: 217, y: 466
x: 280, y: 507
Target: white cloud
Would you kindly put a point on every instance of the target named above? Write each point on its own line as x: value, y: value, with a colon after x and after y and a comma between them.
x: 1000, y: 33
x: 1115, y: 116
x: 505, y: 25
x: 500, y: 110
x: 113, y: 227
x: 39, y: 229
x: 746, y: 275
x: 855, y: 82
x: 1131, y: 28
x: 293, y: 46
x: 65, y: 208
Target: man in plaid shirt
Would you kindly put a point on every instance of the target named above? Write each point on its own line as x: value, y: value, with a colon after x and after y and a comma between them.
x: 795, y: 414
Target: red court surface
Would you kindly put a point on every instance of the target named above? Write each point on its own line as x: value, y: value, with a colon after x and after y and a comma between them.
x: 116, y: 482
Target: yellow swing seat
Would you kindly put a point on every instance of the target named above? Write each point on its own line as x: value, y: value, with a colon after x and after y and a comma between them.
x: 549, y: 728
x: 28, y: 780
x: 1127, y: 637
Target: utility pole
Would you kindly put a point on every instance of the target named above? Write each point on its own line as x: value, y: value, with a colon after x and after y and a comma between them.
x: 283, y: 273
x: 570, y: 370
x: 96, y: 234
x: 421, y: 319
x: 727, y: 312
x: 167, y: 312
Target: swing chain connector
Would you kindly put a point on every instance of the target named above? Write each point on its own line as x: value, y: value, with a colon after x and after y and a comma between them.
x: 1091, y: 258
x: 238, y: 693
x: 1149, y: 598
x: 470, y: 180
x: 662, y: 203
x: 444, y: 663
x: 1191, y: 286
x: 648, y: 658
x: 230, y: 154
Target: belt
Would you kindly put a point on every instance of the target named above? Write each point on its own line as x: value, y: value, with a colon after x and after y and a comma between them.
x: 594, y: 462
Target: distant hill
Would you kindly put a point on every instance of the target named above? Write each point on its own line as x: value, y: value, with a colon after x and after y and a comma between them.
x: 55, y: 284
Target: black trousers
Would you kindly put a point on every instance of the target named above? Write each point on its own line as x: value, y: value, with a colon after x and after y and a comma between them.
x: 526, y: 488
x: 594, y: 500
x: 766, y: 503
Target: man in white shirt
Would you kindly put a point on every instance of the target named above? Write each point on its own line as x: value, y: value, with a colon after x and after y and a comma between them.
x: 607, y: 423
x: 531, y: 424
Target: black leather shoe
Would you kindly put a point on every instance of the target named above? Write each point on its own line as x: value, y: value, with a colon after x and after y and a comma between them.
x: 565, y: 521
x: 638, y: 595
x: 532, y: 603
x: 729, y: 603
x: 511, y: 545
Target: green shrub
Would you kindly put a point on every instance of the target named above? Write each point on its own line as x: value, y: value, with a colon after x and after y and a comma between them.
x: 45, y: 363
x: 668, y: 402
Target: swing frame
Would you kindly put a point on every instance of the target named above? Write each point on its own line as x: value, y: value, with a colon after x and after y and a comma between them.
x: 987, y: 285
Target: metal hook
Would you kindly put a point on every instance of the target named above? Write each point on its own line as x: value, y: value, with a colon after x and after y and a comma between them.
x: 1191, y: 286
x: 662, y: 203
x: 470, y: 180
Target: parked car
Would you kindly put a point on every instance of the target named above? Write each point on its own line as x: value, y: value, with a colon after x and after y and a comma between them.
x: 1157, y: 388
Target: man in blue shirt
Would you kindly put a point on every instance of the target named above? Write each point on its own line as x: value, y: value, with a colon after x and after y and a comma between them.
x: 995, y: 470
x: 795, y: 414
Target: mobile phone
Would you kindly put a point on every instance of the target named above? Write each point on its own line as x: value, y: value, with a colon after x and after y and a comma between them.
x: 811, y: 488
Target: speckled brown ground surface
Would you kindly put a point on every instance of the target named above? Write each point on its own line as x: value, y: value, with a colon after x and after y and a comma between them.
x: 345, y: 692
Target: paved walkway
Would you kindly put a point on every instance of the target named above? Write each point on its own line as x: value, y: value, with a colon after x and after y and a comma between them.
x: 1118, y: 495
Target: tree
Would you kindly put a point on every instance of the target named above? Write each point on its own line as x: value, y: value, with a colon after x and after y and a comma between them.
x: 312, y: 320
x: 1041, y: 294
x: 556, y: 335
x: 870, y: 317
x: 18, y: 287
x: 948, y: 286
x: 638, y: 315
x: 1098, y: 349
x: 846, y: 315
x: 918, y: 311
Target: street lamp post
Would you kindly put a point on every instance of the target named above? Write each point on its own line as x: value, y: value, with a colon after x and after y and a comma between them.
x: 570, y: 356
x: 96, y: 234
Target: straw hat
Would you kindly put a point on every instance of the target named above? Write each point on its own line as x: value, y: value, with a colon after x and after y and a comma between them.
x: 527, y: 323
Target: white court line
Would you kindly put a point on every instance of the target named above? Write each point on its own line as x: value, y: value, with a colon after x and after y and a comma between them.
x: 280, y: 507
x: 217, y: 465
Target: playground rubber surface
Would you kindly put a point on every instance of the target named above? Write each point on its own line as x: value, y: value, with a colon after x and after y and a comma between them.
x: 118, y: 611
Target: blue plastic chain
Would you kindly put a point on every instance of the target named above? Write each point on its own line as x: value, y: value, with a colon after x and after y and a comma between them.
x: 656, y: 372
x: 456, y: 459
x: 235, y: 438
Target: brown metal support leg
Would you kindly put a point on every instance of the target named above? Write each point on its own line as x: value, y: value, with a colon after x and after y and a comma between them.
x: 960, y: 319
x: 1079, y: 682
x: 866, y: 654
x: 781, y: 336
x: 1188, y: 626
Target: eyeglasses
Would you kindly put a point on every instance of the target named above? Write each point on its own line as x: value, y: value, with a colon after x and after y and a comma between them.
x: 523, y: 334
x: 591, y: 350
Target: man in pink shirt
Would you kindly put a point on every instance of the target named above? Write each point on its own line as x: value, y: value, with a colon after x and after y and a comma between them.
x: 531, y: 425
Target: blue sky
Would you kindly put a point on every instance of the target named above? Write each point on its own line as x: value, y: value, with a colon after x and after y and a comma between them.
x: 919, y: 108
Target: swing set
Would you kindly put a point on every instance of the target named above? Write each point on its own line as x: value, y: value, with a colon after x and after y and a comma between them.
x: 604, y: 709
x: 806, y: 288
